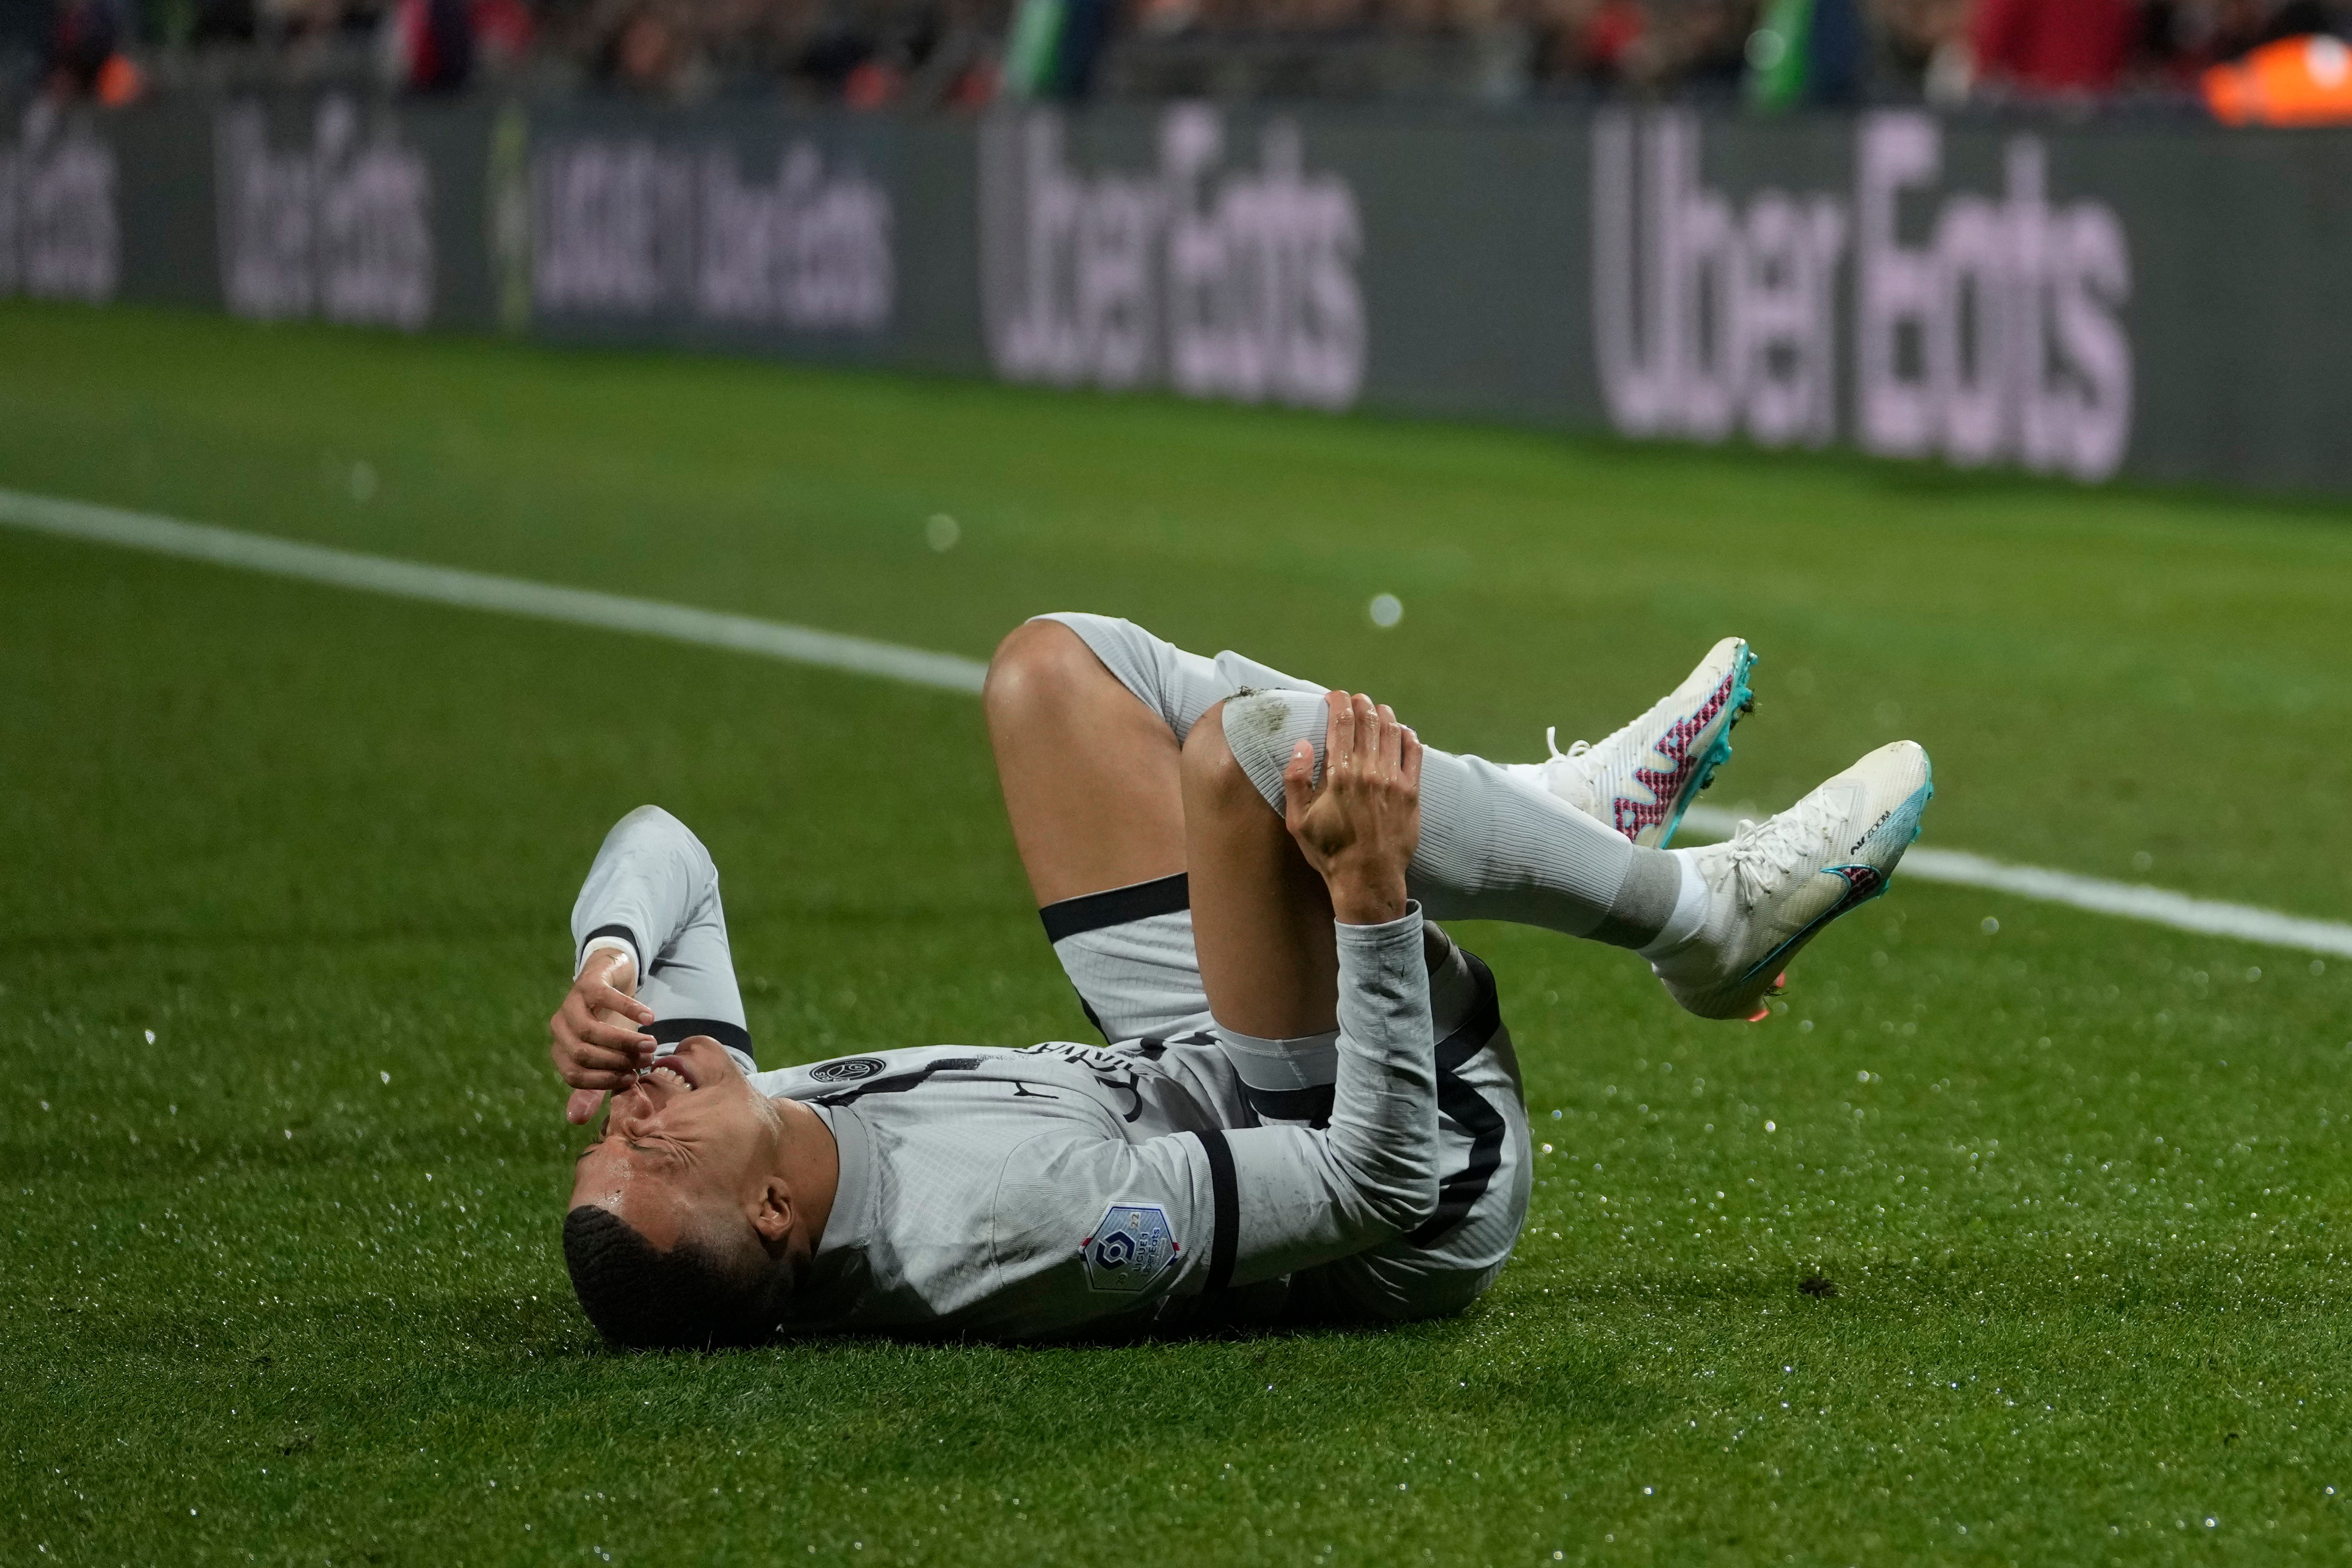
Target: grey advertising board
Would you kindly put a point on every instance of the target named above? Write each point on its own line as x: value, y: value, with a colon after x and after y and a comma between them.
x: 2168, y: 301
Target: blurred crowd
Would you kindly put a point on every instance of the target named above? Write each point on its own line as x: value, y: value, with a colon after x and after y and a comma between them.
x: 871, y: 53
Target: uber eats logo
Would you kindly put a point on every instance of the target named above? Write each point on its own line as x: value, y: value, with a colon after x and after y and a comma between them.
x: 59, y: 237
x: 334, y: 219
x: 1984, y: 326
x: 1212, y: 279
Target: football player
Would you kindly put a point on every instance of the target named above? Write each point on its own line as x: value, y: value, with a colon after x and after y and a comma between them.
x: 1307, y: 1109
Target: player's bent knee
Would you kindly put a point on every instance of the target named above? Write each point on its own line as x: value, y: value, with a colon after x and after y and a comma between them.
x: 1037, y: 670
x: 1213, y: 774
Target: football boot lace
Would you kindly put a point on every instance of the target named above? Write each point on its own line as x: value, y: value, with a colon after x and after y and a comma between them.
x: 1552, y: 744
x: 1764, y: 854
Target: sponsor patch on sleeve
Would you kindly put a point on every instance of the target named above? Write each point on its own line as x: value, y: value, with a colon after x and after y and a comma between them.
x: 1130, y: 1245
x: 848, y: 1069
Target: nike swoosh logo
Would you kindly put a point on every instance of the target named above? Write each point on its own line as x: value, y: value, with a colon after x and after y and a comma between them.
x: 1862, y: 883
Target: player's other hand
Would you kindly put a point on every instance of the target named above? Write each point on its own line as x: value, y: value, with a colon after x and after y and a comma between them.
x: 1359, y: 823
x: 598, y: 1044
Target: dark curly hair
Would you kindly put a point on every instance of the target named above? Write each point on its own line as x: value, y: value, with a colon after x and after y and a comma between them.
x: 692, y: 1296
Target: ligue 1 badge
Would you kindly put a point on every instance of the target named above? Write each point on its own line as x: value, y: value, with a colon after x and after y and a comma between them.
x: 1129, y: 1248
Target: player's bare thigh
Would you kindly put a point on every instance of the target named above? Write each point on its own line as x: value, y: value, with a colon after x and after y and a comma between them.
x: 1090, y: 774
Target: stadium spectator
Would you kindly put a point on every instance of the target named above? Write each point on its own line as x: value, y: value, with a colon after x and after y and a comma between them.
x: 1054, y: 47
x: 433, y: 42
x: 2069, y: 49
x: 870, y: 54
x: 1600, y: 38
x: 642, y: 55
x: 2304, y: 80
x: 1806, y: 52
x: 1707, y: 50
x: 2187, y: 38
x: 504, y: 30
x: 1922, y: 47
x: 86, y: 52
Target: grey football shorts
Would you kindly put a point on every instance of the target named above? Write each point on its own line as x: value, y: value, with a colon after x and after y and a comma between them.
x: 1129, y: 952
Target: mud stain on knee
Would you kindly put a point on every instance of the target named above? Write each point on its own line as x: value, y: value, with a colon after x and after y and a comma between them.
x: 1258, y: 715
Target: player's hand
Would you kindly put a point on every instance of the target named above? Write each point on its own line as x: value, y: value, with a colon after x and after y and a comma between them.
x: 598, y: 1046
x: 1357, y: 825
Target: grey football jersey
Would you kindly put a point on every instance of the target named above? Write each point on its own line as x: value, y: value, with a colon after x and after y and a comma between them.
x: 1062, y: 1186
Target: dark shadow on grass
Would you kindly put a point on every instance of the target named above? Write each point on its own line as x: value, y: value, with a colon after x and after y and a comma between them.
x: 301, y: 1339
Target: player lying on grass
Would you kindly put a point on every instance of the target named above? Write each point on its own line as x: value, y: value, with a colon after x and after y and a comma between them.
x: 1311, y: 1110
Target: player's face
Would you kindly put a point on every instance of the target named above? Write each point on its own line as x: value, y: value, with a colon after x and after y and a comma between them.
x: 687, y: 1140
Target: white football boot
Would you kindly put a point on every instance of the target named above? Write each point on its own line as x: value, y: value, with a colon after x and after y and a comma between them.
x: 1775, y: 884
x: 1641, y: 779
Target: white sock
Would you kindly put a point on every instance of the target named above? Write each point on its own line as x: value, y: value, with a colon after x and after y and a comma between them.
x: 1689, y: 913
x: 1492, y: 848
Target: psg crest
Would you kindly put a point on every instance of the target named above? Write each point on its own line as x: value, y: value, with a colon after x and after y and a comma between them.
x: 1129, y: 1248
x: 849, y: 1069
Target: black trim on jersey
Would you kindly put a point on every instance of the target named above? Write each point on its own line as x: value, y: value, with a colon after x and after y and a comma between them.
x: 1225, y: 1232
x: 734, y: 1037
x: 623, y: 932
x: 1312, y: 1106
x: 1460, y: 1193
x: 1092, y: 1017
x: 899, y: 1083
x: 1117, y: 907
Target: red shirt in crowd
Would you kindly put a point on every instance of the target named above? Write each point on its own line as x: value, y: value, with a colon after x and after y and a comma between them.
x: 2053, y: 46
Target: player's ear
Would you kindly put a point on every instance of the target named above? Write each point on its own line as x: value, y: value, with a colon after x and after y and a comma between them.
x: 772, y: 1212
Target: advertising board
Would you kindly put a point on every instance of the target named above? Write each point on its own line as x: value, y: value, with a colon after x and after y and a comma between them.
x: 2164, y: 301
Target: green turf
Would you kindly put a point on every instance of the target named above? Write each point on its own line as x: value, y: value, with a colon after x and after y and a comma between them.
x: 268, y: 1303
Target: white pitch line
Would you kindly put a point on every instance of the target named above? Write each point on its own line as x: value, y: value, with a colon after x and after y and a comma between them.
x: 861, y: 656
x: 483, y: 591
x: 2132, y: 901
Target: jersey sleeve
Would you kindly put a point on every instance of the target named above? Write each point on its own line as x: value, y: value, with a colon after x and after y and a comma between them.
x: 1086, y: 1227
x: 654, y: 888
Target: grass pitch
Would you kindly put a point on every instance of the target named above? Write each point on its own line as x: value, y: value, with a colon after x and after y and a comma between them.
x: 287, y: 870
